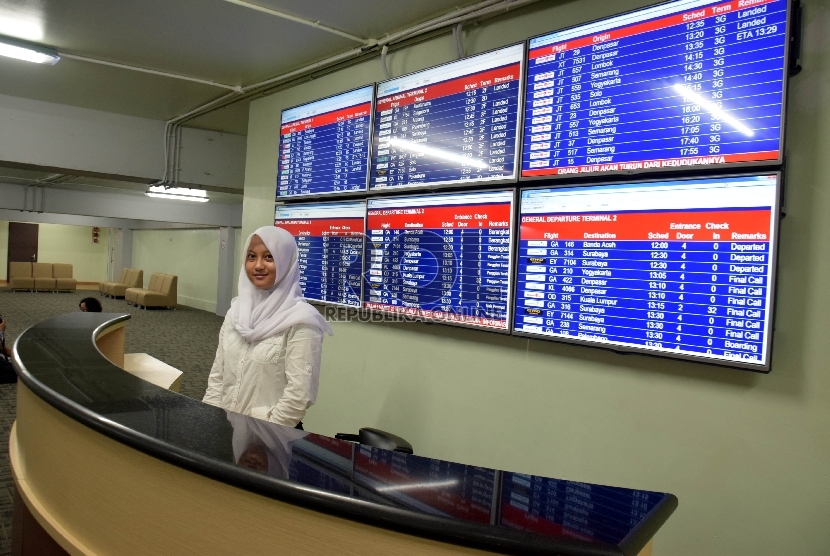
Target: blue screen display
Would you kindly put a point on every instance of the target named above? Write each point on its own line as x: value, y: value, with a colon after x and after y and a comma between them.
x: 457, y: 123
x: 681, y: 268
x: 324, y: 145
x: 441, y: 257
x: 330, y: 243
x: 686, y: 83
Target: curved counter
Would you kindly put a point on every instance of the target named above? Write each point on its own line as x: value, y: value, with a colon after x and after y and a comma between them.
x: 110, y: 464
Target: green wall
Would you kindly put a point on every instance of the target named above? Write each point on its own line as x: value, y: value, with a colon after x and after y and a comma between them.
x: 747, y: 455
x: 192, y: 255
x: 4, y: 248
x: 61, y: 243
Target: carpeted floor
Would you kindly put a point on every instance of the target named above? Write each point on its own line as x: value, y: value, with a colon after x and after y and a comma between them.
x: 185, y: 338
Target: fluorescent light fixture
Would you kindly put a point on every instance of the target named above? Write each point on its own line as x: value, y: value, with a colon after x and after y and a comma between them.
x: 713, y: 109
x: 420, y: 148
x: 19, y: 50
x: 177, y: 193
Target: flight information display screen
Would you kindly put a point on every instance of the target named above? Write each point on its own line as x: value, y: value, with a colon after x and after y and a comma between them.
x: 456, y: 123
x: 441, y: 257
x: 682, y: 268
x: 330, y: 242
x: 324, y: 145
x: 685, y: 83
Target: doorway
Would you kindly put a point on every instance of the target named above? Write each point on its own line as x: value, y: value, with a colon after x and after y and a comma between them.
x: 22, y: 243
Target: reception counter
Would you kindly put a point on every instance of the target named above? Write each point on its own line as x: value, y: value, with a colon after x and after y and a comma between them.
x: 106, y: 463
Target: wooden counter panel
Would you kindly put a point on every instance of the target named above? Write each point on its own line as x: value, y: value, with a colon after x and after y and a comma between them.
x: 96, y: 496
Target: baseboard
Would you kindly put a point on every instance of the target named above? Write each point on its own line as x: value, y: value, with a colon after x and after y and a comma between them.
x: 197, y: 303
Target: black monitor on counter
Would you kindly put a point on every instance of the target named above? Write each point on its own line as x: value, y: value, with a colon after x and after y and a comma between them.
x: 689, y: 84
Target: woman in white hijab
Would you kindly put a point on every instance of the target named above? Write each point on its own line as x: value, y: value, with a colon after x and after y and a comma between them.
x: 268, y: 361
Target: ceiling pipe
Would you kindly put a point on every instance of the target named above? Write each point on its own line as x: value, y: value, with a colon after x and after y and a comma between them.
x: 481, y: 9
x: 236, y: 88
x: 315, y: 24
x: 383, y: 65
x: 459, y: 41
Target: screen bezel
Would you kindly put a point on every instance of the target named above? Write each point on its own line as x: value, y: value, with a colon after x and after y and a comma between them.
x: 714, y: 169
x: 312, y: 196
x: 438, y: 186
x: 771, y: 287
x: 510, y: 285
x: 363, y: 251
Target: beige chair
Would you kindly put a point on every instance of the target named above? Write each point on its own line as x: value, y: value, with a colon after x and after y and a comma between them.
x: 20, y: 276
x: 161, y: 292
x: 42, y: 273
x: 102, y: 286
x: 62, y: 273
x: 130, y: 278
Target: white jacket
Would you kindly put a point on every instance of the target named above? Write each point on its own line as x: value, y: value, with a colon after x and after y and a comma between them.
x: 274, y: 379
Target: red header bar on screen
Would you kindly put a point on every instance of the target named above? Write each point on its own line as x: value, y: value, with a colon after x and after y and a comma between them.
x: 710, y: 225
x: 646, y: 26
x: 319, y: 227
x: 328, y: 118
x: 489, y: 78
x: 461, y: 217
x: 659, y: 163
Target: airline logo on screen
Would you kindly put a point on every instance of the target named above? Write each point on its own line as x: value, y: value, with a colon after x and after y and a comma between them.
x: 658, y: 89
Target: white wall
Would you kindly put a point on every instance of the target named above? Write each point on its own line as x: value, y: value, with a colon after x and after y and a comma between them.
x: 192, y: 255
x: 73, y: 244
x: 747, y: 455
x: 60, y: 243
x: 138, y: 208
x: 71, y: 138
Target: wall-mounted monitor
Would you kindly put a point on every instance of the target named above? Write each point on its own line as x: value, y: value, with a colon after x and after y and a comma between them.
x: 441, y: 257
x: 685, y: 84
x: 330, y: 241
x: 324, y: 145
x: 453, y: 124
x: 681, y: 268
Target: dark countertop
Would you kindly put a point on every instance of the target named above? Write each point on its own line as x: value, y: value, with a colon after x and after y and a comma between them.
x: 474, y: 506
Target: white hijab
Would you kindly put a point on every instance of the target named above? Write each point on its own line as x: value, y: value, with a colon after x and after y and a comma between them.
x: 258, y: 314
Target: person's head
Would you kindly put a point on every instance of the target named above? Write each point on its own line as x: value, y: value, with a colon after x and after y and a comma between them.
x: 260, y: 265
x: 90, y: 305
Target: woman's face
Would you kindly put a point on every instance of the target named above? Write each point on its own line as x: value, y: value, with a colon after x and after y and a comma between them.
x: 259, y: 264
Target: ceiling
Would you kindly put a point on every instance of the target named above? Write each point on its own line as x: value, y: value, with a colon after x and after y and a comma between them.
x: 51, y: 180
x: 214, y: 40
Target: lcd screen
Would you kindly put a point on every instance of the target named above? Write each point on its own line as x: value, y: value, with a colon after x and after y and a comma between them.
x: 452, y: 124
x: 682, y: 268
x: 691, y: 83
x: 324, y: 145
x: 441, y: 257
x: 330, y: 242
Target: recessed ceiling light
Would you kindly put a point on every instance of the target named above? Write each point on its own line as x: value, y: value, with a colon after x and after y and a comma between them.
x: 20, y: 50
